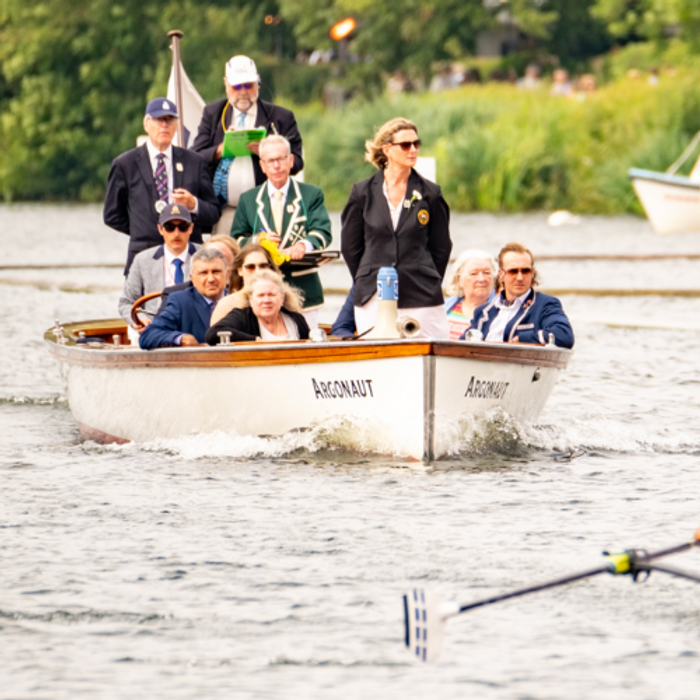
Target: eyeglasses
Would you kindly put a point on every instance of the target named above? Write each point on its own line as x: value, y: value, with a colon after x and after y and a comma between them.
x: 275, y: 161
x: 183, y: 226
x: 240, y: 86
x: 406, y: 145
x: 514, y: 271
x: 252, y: 267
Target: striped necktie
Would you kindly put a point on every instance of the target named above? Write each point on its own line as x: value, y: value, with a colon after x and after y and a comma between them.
x: 277, y: 212
x: 161, y: 178
x: 179, y: 277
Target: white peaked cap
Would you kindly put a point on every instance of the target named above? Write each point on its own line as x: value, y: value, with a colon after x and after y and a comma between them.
x: 241, y: 69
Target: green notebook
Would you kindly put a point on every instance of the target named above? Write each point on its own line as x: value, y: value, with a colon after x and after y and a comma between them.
x: 235, y: 141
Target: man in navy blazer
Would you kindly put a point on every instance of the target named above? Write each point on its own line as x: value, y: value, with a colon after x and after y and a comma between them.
x: 519, y: 314
x: 242, y: 84
x: 138, y: 187
x: 241, y: 110
x: 186, y: 318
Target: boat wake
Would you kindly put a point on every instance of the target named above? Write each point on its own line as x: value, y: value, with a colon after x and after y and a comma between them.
x: 495, y: 433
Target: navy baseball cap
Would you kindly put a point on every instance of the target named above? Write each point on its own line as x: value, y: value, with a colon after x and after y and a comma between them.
x: 161, y: 107
x: 175, y: 211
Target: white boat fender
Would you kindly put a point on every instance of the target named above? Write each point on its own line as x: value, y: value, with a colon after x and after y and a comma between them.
x: 318, y: 335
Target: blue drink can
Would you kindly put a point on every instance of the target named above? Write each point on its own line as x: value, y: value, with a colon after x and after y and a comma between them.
x: 387, y: 284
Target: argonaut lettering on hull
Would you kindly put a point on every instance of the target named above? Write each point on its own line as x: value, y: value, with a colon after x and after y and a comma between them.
x: 479, y: 389
x: 354, y: 388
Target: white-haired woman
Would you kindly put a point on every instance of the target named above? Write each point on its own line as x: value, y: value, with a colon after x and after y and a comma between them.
x: 471, y: 283
x: 275, y: 313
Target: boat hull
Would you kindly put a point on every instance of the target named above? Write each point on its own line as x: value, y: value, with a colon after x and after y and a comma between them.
x: 404, y: 397
x: 671, y: 202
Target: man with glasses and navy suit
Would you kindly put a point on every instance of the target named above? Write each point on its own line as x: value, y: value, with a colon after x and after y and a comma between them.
x: 145, y: 179
x: 519, y: 314
x: 242, y: 109
x: 165, y: 265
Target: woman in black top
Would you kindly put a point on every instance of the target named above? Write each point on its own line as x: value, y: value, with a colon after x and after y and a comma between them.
x: 274, y: 313
x: 399, y: 219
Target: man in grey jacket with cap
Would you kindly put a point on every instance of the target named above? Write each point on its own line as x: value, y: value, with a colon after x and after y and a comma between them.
x: 165, y: 265
x: 145, y: 179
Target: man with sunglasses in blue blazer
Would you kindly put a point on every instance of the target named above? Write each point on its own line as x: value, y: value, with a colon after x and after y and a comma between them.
x: 519, y: 314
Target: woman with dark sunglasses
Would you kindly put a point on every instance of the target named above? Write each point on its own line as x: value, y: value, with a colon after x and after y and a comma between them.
x: 246, y: 264
x: 397, y: 218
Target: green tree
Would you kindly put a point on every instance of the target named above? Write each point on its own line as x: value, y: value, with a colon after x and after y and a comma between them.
x: 645, y: 19
x: 407, y: 34
x: 576, y: 35
x: 75, y: 76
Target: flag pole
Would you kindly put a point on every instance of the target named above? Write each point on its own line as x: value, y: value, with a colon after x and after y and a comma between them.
x: 176, y: 35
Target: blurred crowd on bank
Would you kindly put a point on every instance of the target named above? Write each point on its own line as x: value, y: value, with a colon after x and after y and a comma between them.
x: 558, y: 83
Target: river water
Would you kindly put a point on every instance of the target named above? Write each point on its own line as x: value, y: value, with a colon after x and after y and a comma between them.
x: 218, y: 567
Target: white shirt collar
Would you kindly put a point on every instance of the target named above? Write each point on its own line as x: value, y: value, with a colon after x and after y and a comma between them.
x: 271, y: 189
x: 153, y: 151
x: 502, y: 303
x: 251, y: 116
x: 169, y: 257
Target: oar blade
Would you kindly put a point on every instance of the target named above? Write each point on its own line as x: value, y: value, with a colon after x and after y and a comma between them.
x: 425, y: 616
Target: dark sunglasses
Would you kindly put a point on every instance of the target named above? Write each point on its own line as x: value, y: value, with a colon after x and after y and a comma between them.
x: 406, y: 145
x: 252, y: 267
x: 513, y: 272
x: 169, y: 226
x: 240, y: 86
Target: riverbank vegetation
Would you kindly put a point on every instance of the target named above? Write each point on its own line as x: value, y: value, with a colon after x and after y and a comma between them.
x: 503, y: 149
x: 75, y: 76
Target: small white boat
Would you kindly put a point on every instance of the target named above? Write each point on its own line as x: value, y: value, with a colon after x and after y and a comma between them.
x: 671, y: 202
x: 408, y: 395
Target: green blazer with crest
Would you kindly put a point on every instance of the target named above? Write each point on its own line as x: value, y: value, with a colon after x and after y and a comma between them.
x: 305, y: 219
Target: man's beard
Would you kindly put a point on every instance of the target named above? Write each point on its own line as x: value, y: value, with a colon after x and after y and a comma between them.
x: 249, y: 102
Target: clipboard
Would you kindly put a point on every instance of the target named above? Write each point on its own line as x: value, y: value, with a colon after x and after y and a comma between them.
x: 235, y: 141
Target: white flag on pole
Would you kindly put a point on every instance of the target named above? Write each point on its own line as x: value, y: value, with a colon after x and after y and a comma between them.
x: 190, y: 110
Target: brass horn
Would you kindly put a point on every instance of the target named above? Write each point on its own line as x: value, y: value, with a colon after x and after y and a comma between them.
x: 407, y: 326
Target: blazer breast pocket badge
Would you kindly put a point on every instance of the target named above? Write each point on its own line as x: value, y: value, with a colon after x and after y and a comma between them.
x: 423, y: 217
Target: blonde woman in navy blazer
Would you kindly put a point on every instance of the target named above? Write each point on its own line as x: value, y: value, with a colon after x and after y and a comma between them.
x: 399, y: 219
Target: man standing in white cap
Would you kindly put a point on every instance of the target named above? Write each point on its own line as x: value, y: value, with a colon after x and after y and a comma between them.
x: 241, y: 110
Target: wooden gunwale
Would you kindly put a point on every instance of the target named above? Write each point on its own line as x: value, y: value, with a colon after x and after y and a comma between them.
x: 287, y: 353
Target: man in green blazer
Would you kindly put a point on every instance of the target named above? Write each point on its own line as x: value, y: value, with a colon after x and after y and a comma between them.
x: 290, y: 213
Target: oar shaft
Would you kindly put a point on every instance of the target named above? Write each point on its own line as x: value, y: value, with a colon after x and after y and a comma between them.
x: 670, y: 570
x: 671, y: 550
x: 539, y: 587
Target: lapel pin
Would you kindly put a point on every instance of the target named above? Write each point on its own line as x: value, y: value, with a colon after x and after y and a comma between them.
x: 178, y: 167
x: 290, y: 208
